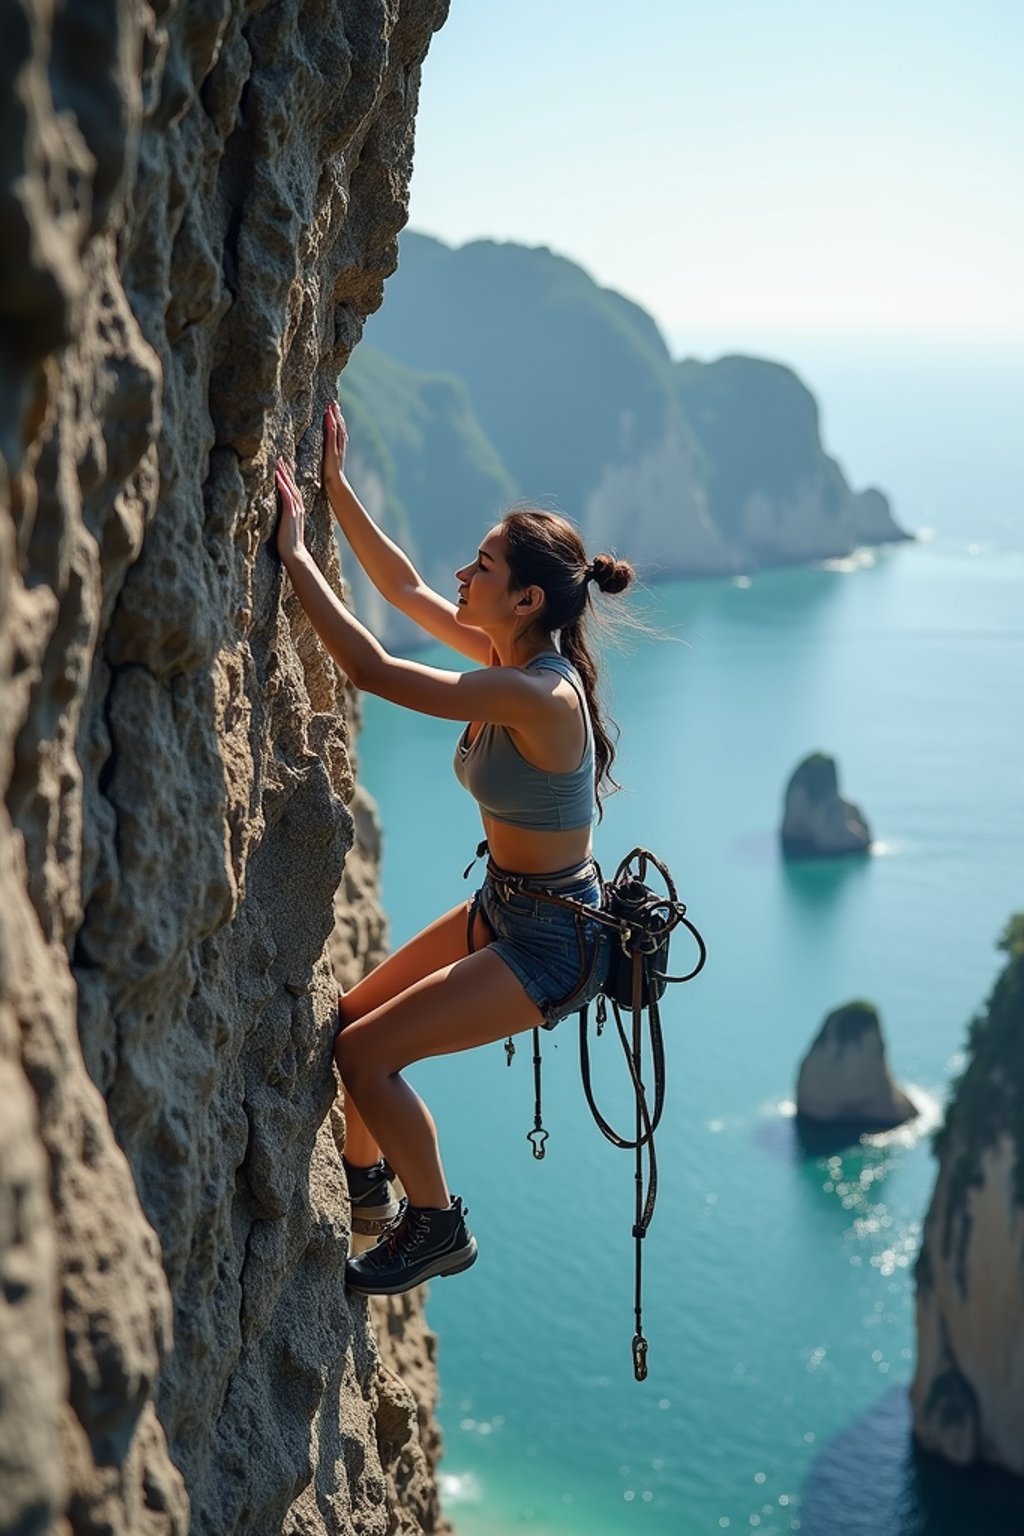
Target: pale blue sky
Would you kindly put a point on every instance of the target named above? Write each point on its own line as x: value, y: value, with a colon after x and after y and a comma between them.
x: 742, y: 169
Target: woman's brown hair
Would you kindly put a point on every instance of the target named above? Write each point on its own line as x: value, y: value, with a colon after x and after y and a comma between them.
x: 545, y: 550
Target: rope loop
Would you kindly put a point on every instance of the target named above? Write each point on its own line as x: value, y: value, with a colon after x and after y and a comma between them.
x: 644, y: 921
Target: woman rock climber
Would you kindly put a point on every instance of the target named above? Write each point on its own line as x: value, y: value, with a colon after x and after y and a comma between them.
x: 535, y: 756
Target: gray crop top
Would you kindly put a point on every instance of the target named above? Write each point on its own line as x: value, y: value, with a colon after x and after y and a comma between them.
x: 508, y: 788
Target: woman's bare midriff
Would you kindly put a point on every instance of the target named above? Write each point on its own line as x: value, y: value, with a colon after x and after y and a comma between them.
x: 535, y: 853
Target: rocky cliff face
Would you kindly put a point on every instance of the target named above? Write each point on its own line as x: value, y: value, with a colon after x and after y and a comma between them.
x: 774, y: 493
x: 199, y: 205
x: 968, y: 1390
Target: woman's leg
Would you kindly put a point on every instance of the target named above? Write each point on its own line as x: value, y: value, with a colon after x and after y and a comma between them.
x: 441, y: 943
x: 468, y: 1002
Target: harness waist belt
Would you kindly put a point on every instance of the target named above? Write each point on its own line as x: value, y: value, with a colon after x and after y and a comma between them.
x: 558, y: 880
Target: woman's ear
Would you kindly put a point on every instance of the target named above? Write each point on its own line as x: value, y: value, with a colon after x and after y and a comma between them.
x: 530, y: 600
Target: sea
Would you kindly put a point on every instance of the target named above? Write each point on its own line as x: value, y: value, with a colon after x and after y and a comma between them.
x: 779, y: 1291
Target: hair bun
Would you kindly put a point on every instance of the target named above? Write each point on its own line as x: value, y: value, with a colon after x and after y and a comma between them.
x: 610, y: 574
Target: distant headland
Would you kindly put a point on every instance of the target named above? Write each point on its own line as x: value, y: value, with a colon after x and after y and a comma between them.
x: 495, y: 372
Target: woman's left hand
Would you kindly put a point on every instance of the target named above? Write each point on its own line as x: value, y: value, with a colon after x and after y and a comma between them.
x: 335, y: 445
x: 291, y: 527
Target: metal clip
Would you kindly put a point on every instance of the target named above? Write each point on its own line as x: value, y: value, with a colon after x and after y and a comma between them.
x: 481, y: 849
x: 639, y: 1357
x: 510, y: 1050
x: 537, y: 1137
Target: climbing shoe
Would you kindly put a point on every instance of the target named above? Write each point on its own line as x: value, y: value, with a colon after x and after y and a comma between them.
x: 423, y: 1244
x: 374, y: 1204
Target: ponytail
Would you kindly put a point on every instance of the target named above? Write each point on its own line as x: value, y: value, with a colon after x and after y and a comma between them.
x: 545, y: 550
x: 575, y: 649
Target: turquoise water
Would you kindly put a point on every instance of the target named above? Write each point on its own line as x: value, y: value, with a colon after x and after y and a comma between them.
x: 779, y: 1298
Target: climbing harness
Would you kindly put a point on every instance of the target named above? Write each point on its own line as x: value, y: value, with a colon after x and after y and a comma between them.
x: 643, y: 921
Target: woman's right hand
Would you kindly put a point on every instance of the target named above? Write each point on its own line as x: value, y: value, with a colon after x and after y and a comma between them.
x: 291, y: 526
x: 335, y: 444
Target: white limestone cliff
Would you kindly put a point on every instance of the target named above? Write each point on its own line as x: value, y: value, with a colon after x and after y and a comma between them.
x: 968, y: 1389
x: 654, y: 508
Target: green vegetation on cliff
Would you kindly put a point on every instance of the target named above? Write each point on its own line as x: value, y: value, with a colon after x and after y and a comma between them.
x: 758, y: 427
x: 987, y: 1100
x: 495, y: 371
x: 418, y: 433
x: 848, y: 1023
x: 563, y: 375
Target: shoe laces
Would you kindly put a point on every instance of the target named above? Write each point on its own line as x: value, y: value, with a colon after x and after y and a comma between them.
x: 408, y: 1233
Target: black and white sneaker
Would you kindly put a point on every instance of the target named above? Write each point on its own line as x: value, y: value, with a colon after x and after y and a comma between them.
x: 424, y: 1244
x: 374, y: 1203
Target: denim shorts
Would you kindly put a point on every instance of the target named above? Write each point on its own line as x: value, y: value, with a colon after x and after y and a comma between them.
x: 560, y: 957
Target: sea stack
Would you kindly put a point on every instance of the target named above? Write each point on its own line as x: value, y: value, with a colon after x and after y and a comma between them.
x: 844, y: 1079
x: 967, y: 1395
x: 817, y: 822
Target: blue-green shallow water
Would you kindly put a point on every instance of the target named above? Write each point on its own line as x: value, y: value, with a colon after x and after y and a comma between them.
x: 779, y: 1293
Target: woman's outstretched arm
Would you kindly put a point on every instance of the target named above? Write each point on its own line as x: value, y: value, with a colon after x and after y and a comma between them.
x: 504, y: 695
x: 389, y: 567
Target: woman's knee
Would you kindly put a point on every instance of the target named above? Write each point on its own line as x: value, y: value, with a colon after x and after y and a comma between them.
x: 352, y: 1006
x: 346, y: 1057
x: 356, y: 1062
x: 349, y: 1007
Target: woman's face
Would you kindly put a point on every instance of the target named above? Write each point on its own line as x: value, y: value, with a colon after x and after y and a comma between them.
x: 485, y: 597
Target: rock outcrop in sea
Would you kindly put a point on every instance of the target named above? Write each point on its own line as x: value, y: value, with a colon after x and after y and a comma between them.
x: 844, y: 1079
x: 199, y: 207
x: 968, y: 1389
x: 816, y: 821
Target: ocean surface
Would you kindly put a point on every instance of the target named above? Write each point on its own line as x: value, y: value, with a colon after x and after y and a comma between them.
x: 779, y: 1286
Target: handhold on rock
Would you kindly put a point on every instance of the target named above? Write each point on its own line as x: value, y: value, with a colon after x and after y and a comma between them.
x: 817, y: 822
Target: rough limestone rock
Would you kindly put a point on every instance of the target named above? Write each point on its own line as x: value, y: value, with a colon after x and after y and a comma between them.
x: 968, y: 1390
x: 817, y: 822
x: 844, y: 1078
x: 199, y: 207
